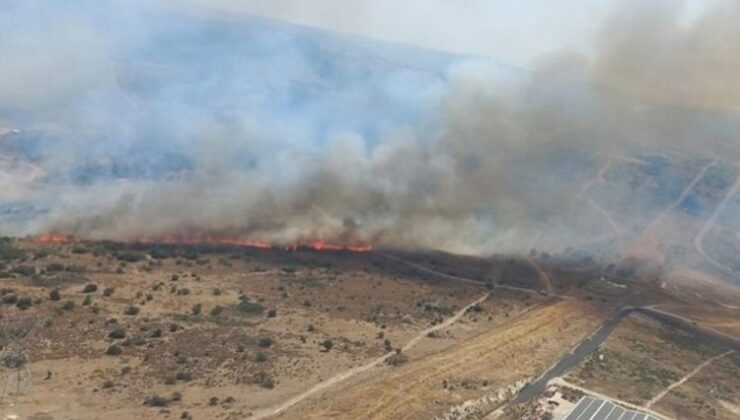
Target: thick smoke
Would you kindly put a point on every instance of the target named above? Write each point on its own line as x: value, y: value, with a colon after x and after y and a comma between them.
x: 150, y: 122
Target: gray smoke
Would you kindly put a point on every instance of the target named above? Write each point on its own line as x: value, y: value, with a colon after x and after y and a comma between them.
x: 486, y: 157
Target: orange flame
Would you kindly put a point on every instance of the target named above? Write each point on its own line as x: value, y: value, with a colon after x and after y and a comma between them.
x: 317, y: 245
x: 203, y: 240
x: 53, y: 238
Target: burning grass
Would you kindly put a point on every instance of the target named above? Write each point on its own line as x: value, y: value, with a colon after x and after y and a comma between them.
x: 218, y: 240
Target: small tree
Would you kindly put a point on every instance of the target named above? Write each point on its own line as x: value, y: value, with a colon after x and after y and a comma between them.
x: 55, y: 295
x: 265, y: 342
x: 24, y: 303
x: 117, y: 333
x: 327, y: 344
x: 113, y: 350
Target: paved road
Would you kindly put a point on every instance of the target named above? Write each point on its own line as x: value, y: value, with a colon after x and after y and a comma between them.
x: 342, y: 376
x: 587, y: 346
x: 573, y: 357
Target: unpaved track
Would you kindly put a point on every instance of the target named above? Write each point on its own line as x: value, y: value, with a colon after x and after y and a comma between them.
x: 336, y: 379
x: 518, y: 349
x: 685, y: 193
x: 686, y: 378
x: 425, y: 269
x: 474, y: 283
x: 699, y: 240
x: 581, y: 195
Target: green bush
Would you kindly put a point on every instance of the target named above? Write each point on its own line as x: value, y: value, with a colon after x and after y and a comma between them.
x: 55, y: 267
x: 184, y: 376
x: 90, y: 288
x: 156, y: 401
x: 217, y: 310
x: 117, y: 333
x: 114, y: 350
x: 251, y: 308
x: 265, y: 342
x: 79, y: 249
x: 24, y: 303
x: 131, y: 257
x: 10, y: 299
x: 327, y: 344
x: 24, y: 270
x: 55, y: 295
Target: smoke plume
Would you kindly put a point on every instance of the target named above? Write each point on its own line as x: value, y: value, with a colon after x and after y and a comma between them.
x: 142, y: 121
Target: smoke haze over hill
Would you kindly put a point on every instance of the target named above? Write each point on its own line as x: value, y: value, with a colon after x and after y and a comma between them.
x: 143, y: 121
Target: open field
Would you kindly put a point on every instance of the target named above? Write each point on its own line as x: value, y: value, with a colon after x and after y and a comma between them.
x: 714, y: 392
x: 501, y: 356
x: 642, y: 359
x: 127, y: 331
x: 117, y: 327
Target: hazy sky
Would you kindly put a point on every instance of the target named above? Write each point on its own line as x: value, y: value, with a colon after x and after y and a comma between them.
x: 510, y: 31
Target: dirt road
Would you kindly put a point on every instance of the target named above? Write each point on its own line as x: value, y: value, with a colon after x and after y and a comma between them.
x: 686, y: 378
x: 335, y: 380
x: 518, y: 349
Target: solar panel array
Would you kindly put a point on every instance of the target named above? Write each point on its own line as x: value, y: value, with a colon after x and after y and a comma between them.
x: 589, y: 408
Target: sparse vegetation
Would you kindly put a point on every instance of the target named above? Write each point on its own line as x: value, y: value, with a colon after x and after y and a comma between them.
x: 24, y: 303
x: 90, y: 288
x: 117, y: 333
x: 157, y: 401
x: 327, y: 344
x: 265, y: 342
x: 114, y: 350
x: 250, y: 308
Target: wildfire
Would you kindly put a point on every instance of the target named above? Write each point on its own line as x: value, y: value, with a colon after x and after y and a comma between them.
x: 317, y: 245
x: 203, y: 240
x: 53, y: 238
x: 320, y: 245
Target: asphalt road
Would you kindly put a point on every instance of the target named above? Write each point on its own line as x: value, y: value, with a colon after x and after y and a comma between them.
x: 573, y: 357
x: 591, y: 343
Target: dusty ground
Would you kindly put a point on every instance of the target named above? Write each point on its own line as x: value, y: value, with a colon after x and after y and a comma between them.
x: 133, y: 331
x: 714, y: 392
x: 427, y: 385
x: 641, y: 359
x: 244, y: 356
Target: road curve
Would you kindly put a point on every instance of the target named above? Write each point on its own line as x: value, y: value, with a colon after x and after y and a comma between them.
x: 342, y: 376
x: 591, y: 343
